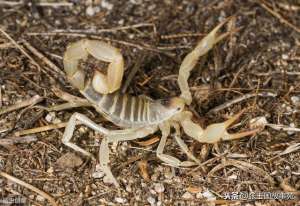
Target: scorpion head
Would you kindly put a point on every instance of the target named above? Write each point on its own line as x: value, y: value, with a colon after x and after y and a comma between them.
x: 170, y: 106
x: 176, y: 103
x: 165, y: 109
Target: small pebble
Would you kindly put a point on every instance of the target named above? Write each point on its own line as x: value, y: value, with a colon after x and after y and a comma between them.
x: 151, y: 200
x: 232, y: 177
x: 258, y: 122
x: 199, y: 195
x: 40, y: 198
x: 120, y: 200
x: 187, y: 195
x: 107, y: 180
x: 106, y: 5
x: 284, y: 56
x: 295, y: 100
x: 152, y: 192
x: 292, y: 125
x: 98, y: 172
x: 128, y: 188
x: 50, y: 117
x: 159, y: 188
x: 90, y: 11
x: 208, y: 195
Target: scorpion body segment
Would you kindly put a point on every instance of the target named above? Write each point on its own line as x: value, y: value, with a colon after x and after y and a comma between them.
x: 132, y: 111
x: 138, y: 116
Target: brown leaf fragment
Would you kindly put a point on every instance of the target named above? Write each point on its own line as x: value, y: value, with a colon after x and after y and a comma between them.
x: 69, y: 160
x: 193, y: 189
x: 143, y: 166
x: 285, y: 185
x: 148, y: 142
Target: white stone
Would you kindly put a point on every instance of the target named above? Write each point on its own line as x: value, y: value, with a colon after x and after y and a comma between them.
x: 151, y: 200
x: 232, y: 177
x: 40, y: 198
x: 106, y: 5
x: 208, y: 195
x: 293, y: 126
x: 120, y: 200
x: 90, y: 11
x: 258, y: 122
x: 50, y: 117
x: 98, y: 174
x: 284, y: 56
x: 159, y: 188
x: 187, y: 195
x: 107, y: 180
x: 295, y: 100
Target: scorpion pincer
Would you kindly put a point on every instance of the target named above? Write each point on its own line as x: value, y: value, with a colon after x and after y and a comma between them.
x: 139, y: 116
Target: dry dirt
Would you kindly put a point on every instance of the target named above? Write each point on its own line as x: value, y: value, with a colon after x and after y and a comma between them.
x: 258, y: 66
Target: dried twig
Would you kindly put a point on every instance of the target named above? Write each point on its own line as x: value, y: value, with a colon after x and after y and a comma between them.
x: 283, y: 127
x: 143, y: 166
x: 43, y: 58
x: 132, y: 73
x: 278, y: 16
x: 181, y: 35
x: 29, y: 102
x: 289, y: 149
x: 30, y: 187
x: 68, y: 105
x: 41, y: 129
x: 6, y: 45
x: 44, y: 4
x: 15, y: 140
x: 242, y: 98
x: 0, y: 97
x: 138, y: 46
x: 243, y: 166
x: 149, y: 141
x: 19, y: 47
x: 99, y: 31
x: 68, y: 97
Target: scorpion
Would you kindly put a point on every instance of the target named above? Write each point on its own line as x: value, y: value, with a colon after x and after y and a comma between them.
x: 136, y: 115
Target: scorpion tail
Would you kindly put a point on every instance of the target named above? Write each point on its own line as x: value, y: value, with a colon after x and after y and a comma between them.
x: 191, y: 59
x: 73, y: 54
x: 102, y: 83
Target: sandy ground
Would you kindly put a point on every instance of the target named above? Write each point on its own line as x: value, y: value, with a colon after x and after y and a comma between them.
x: 256, y: 67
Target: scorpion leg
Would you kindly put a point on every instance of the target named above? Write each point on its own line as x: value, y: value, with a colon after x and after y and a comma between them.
x: 190, y: 61
x: 89, y: 123
x: 71, y: 127
x: 115, y: 136
x: 183, y: 146
x: 110, y: 136
x: 170, y: 160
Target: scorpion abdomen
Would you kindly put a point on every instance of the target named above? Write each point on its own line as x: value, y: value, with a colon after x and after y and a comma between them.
x: 126, y: 110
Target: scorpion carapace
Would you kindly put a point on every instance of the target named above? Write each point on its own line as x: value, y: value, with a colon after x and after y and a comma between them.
x: 137, y: 115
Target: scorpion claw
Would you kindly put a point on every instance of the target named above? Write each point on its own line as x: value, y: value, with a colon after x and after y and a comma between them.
x: 216, y: 132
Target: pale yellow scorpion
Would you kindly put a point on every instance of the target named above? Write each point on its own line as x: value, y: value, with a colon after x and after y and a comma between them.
x: 139, y: 116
